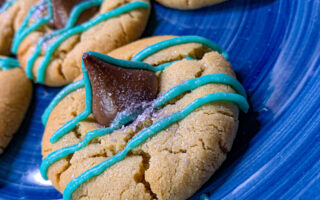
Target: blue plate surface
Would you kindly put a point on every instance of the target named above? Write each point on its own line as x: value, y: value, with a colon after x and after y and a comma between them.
x: 274, y: 46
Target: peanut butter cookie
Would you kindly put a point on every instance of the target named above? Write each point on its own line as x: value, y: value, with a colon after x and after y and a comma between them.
x: 15, y: 96
x: 151, y: 120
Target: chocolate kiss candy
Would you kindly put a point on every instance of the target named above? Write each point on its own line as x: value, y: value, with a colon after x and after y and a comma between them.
x: 116, y: 89
x: 62, y: 9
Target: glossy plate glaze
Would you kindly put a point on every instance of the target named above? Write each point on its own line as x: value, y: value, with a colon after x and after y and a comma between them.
x: 274, y: 47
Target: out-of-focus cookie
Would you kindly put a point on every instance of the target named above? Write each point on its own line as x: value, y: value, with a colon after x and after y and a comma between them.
x: 188, y: 4
x: 52, y: 38
x: 15, y: 96
x: 153, y: 120
x: 12, y: 13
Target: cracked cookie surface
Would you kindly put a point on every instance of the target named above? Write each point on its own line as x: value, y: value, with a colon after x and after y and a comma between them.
x: 188, y: 4
x: 65, y: 63
x: 176, y: 162
x: 15, y: 96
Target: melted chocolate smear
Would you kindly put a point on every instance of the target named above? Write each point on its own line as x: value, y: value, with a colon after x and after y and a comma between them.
x: 116, y: 89
x: 62, y: 9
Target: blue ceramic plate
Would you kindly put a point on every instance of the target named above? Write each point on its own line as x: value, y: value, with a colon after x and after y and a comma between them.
x: 274, y: 47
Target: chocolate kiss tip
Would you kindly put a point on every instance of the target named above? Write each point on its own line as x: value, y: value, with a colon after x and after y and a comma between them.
x: 62, y: 9
x: 85, y: 56
x: 116, y: 89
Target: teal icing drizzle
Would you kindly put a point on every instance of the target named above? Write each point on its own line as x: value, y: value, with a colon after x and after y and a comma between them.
x: 62, y: 94
x: 7, y: 5
x: 25, y: 30
x: 79, y: 84
x: 176, y: 41
x: 72, y: 123
x: 188, y: 85
x: 37, y: 52
x: 192, y: 84
x: 53, y: 157
x: 122, y: 119
x: 133, y: 64
x: 67, y: 127
x: 78, y: 9
x: 149, y: 132
x: 164, y: 65
x: 73, y: 31
x: 76, y: 85
x: 8, y: 63
x: 127, y: 63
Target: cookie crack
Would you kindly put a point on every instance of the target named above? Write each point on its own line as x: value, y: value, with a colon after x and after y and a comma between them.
x: 77, y: 132
x: 204, y: 145
x: 123, y: 30
x: 227, y: 114
x: 141, y: 178
x: 180, y: 151
x: 223, y: 149
x: 60, y: 72
x: 199, y: 73
x: 188, y: 3
x: 130, y: 15
x: 83, y: 196
x: 58, y: 175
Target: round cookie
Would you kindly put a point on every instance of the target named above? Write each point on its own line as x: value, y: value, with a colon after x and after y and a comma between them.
x: 12, y: 13
x: 188, y: 4
x: 55, y: 34
x: 178, y: 123
x: 15, y: 96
